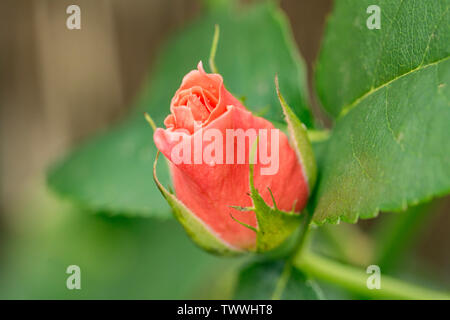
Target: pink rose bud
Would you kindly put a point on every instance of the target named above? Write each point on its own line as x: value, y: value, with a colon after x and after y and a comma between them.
x: 208, y: 142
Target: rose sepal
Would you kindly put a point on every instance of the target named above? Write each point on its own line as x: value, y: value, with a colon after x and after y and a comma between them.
x: 300, y: 140
x: 274, y: 225
x: 200, y: 234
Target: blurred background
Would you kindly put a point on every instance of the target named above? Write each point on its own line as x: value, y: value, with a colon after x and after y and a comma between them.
x: 60, y: 86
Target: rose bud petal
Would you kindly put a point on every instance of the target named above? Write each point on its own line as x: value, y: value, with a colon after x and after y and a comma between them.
x: 212, y: 186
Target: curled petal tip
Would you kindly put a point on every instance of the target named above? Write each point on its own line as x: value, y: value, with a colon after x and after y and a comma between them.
x: 200, y: 67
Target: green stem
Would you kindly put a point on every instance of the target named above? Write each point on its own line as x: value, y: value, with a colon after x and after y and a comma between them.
x: 303, y: 238
x: 350, y: 243
x: 355, y: 279
x: 297, y: 250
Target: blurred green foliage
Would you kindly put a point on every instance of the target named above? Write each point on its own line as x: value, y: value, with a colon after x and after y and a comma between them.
x: 120, y: 258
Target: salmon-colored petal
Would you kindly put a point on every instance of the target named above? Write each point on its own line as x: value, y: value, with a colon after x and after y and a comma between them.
x: 211, y: 93
x: 183, y: 118
x: 199, y: 78
x: 169, y: 122
x: 198, y: 109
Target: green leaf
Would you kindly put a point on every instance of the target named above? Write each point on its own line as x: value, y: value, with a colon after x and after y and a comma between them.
x: 355, y: 61
x: 389, y: 89
x: 113, y: 171
x: 273, y: 279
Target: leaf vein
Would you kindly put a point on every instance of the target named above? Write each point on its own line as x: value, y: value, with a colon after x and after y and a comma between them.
x: 352, y: 105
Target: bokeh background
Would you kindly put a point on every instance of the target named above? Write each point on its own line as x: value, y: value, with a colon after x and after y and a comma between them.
x: 58, y: 87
